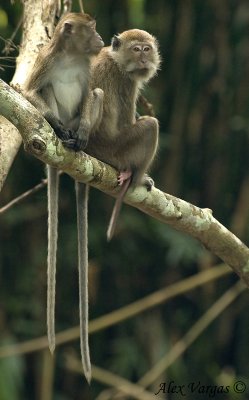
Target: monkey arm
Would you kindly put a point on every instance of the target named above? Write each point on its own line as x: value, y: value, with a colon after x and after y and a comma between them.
x: 94, y: 109
x: 39, y: 103
x: 91, y: 115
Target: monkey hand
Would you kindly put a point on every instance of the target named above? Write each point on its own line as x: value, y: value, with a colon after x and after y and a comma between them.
x: 62, y: 132
x: 58, y: 127
x: 76, y: 142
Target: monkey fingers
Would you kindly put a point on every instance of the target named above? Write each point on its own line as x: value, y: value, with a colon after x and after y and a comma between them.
x: 123, y: 176
x: 75, y: 144
x: 69, y: 144
x: 80, y: 144
x: 62, y: 133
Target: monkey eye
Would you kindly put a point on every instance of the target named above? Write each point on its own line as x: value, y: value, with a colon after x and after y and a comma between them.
x: 136, y: 48
x: 146, y: 48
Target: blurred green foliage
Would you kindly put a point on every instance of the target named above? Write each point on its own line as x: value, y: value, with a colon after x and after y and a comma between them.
x: 201, y: 99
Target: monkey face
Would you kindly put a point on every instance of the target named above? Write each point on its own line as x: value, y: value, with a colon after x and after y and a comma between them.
x: 78, y: 34
x: 93, y: 42
x: 136, y: 52
x: 140, y: 57
x: 140, y: 60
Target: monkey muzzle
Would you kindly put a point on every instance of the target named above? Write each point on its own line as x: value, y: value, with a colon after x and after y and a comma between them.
x: 143, y: 64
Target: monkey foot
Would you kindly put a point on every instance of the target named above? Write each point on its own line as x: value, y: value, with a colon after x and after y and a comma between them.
x: 123, y: 176
x: 148, y: 182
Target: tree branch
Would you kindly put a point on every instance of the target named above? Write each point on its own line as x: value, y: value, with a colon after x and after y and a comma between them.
x: 122, y: 314
x: 37, y: 16
x: 40, y: 140
x: 193, y: 333
x: 110, y: 379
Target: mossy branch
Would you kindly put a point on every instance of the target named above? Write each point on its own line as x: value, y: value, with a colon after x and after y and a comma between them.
x: 37, y: 24
x: 40, y: 140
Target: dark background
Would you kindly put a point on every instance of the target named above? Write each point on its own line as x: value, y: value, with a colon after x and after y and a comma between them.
x: 201, y: 99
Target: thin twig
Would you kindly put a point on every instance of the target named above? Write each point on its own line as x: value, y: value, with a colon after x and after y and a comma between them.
x: 121, y: 314
x: 9, y: 58
x: 195, y: 331
x: 81, y: 6
x: 47, y: 376
x: 110, y: 379
x: 9, y: 42
x: 24, y: 195
x: 4, y: 66
x: 183, y: 344
x: 67, y: 6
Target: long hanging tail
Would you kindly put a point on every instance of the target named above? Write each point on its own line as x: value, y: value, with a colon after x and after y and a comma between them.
x: 116, y: 209
x: 82, y: 191
x: 53, y: 189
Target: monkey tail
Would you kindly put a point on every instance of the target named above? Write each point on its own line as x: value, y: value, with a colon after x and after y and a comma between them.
x: 116, y: 209
x: 82, y: 191
x: 53, y: 189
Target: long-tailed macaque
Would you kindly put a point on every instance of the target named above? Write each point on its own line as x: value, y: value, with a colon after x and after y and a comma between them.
x: 121, y: 140
x: 59, y: 88
x: 121, y: 70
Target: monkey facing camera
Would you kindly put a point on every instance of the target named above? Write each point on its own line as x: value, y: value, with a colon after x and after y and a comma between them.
x: 123, y: 139
x: 88, y: 94
x: 121, y: 70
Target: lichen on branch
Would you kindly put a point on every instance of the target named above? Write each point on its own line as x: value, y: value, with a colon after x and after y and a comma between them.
x: 40, y: 140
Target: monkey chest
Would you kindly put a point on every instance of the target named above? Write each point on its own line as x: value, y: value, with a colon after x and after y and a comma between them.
x: 68, y: 87
x: 68, y: 96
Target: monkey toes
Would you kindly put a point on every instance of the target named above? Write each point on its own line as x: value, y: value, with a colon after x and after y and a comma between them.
x: 148, y: 182
x: 123, y: 176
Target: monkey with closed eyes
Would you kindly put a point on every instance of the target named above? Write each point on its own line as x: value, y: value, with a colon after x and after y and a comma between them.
x: 121, y: 140
x: 59, y: 88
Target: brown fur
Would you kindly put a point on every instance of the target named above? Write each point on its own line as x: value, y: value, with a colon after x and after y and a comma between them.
x: 59, y: 88
x: 62, y: 66
x: 120, y: 71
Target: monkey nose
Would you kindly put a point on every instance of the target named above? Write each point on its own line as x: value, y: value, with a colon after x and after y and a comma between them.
x: 142, y: 63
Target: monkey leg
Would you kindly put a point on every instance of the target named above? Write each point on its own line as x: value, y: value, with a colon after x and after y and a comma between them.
x: 90, y: 118
x: 137, y: 150
x: 91, y: 114
x: 96, y: 108
x: 140, y: 148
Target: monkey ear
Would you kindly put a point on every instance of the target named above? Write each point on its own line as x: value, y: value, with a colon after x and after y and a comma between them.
x: 116, y: 42
x: 67, y: 28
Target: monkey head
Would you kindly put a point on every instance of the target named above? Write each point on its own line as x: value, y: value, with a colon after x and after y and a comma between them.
x: 76, y: 32
x: 136, y: 53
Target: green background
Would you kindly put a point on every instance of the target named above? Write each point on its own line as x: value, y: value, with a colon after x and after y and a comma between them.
x: 201, y: 99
